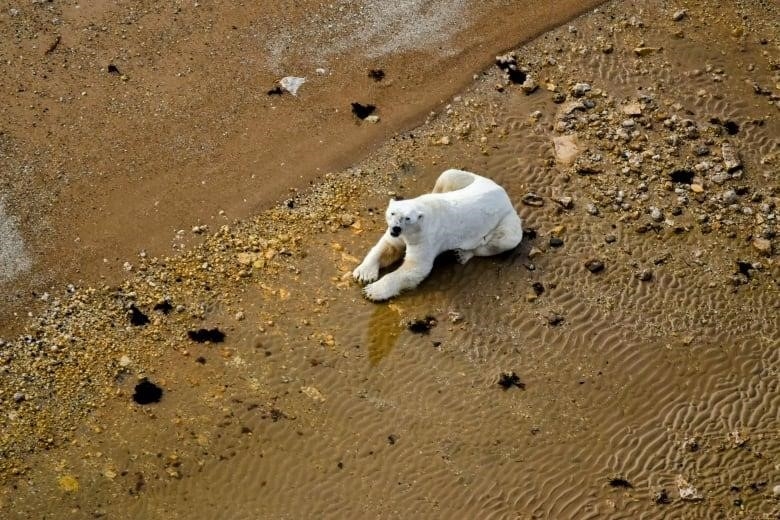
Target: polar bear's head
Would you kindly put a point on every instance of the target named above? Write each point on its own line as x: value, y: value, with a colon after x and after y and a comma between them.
x: 403, y: 216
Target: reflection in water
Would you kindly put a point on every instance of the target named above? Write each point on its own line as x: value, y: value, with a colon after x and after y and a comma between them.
x: 384, y: 326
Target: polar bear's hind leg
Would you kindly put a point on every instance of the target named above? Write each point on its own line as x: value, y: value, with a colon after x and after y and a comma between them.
x: 506, y: 235
x: 452, y: 180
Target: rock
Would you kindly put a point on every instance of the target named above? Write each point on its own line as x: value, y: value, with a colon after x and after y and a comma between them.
x: 608, y: 48
x: 645, y: 275
x: 697, y: 188
x: 532, y: 199
x: 633, y: 109
x: 291, y: 84
x: 730, y: 197
x: 566, y: 149
x: 686, y: 490
x: 644, y: 51
x: 534, y: 252
x: 558, y: 98
x: 776, y: 491
x: 594, y: 265
x: 763, y: 246
x: 373, y: 118
x: 580, y: 89
x: 564, y: 202
x: 19, y: 397
x: 313, y: 394
x: 730, y: 157
x: 679, y: 15
x: 661, y: 497
x: 592, y: 209
x: 556, y: 242
x: 529, y: 85
x: 555, y: 319
x: 445, y: 140
x: 656, y: 214
x: 125, y: 361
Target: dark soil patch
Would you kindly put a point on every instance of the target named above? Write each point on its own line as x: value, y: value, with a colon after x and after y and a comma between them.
x: 422, y: 326
x: 376, y: 74
x: 509, y: 379
x: 137, y: 317
x: 362, y: 111
x: 203, y: 335
x: 147, y: 392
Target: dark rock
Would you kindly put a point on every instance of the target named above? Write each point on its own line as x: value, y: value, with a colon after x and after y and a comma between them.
x: 276, y: 91
x: 619, y: 482
x: 147, y: 392
x: 508, y: 63
x: 555, y: 319
x: 164, y: 307
x: 137, y: 317
x: 645, y: 275
x: 609, y: 239
x: 362, y: 111
x: 203, y: 335
x: 556, y: 242
x: 558, y: 98
x: 392, y: 439
x: 376, y: 74
x: 682, y: 175
x: 112, y: 69
x: 594, y: 265
x: 510, y: 379
x: 661, y: 497
x: 538, y: 288
x: 422, y: 326
x: 532, y: 199
x: 201, y: 360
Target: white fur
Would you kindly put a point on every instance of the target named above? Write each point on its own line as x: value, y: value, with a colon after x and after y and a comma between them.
x: 465, y: 212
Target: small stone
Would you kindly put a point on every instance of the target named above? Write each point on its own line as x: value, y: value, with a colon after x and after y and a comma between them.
x: 566, y: 149
x: 558, y: 98
x: 313, y: 394
x: 240, y: 316
x: 565, y: 202
x: 532, y: 199
x: 644, y: 51
x: 455, y: 317
x: 730, y: 197
x: 776, y: 491
x: 656, y: 214
x: 534, y: 252
x: 679, y: 15
x: 445, y: 140
x: 125, y: 361
x: 19, y: 397
x: 580, y: 89
x: 633, y: 109
x: 763, y: 246
x: 556, y: 242
x: 594, y: 265
x: 592, y: 209
x: 686, y: 490
x: 730, y: 157
x: 661, y: 497
x: 610, y: 239
x: 555, y: 319
x: 608, y: 48
x: 529, y: 85
x: 373, y: 118
x: 645, y: 275
x: 697, y: 188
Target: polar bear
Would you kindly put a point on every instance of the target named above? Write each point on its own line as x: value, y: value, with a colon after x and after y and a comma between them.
x: 467, y: 213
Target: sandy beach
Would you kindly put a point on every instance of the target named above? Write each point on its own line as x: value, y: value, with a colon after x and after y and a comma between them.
x: 182, y: 336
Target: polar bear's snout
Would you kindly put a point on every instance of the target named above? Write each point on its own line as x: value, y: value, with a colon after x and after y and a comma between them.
x: 395, y: 231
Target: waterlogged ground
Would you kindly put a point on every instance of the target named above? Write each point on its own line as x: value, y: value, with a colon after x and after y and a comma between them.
x: 638, y: 316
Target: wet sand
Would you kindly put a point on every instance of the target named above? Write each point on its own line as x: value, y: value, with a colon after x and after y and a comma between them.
x: 101, y: 164
x: 647, y: 387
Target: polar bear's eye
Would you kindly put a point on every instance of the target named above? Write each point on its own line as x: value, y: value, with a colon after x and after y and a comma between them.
x: 392, y: 213
x: 408, y: 219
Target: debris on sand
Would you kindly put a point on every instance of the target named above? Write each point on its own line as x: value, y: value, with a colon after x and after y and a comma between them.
x: 376, y: 74
x: 686, y: 490
x: 620, y: 482
x: 422, y: 326
x: 206, y: 335
x: 509, y: 379
x: 362, y: 111
x: 147, y: 392
x: 291, y: 84
x: 137, y: 317
x: 594, y: 265
x: 508, y: 63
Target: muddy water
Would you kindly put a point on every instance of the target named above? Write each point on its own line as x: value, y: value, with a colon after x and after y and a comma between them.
x: 320, y: 404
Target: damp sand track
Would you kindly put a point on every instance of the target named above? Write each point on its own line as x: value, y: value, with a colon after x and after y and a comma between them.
x: 658, y: 369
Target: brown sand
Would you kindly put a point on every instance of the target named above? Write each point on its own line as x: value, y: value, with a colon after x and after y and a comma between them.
x: 650, y: 387
x: 99, y: 166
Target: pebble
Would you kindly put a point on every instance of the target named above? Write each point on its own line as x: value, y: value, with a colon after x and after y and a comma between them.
x: 566, y: 149
x: 529, y: 85
x: 565, y: 202
x: 644, y: 51
x: 556, y: 242
x: 19, y: 397
x: 373, y: 118
x: 763, y: 246
x: 686, y: 490
x: 776, y: 491
x: 592, y: 209
x: 580, y: 89
x: 532, y: 199
x: 594, y: 265
x: 729, y: 197
x: 679, y: 15
x: 730, y: 157
x: 645, y: 275
x: 656, y: 214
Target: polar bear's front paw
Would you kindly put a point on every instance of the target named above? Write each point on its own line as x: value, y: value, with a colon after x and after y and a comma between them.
x: 365, y: 273
x: 379, y: 291
x: 463, y: 256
